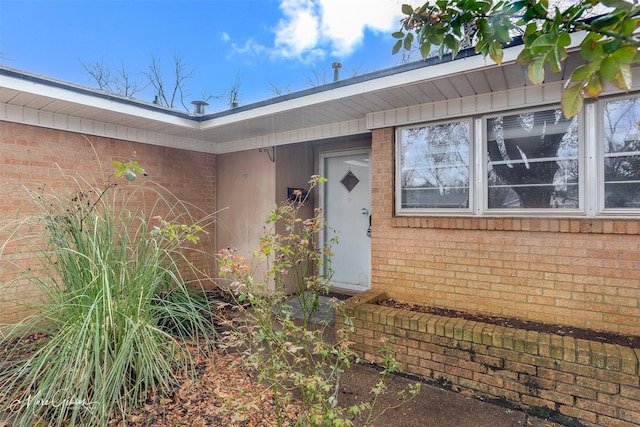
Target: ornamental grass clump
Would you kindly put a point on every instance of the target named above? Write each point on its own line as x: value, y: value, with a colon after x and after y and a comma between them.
x: 115, y: 312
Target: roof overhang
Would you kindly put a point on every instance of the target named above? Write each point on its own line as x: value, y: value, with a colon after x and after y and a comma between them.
x: 333, y: 110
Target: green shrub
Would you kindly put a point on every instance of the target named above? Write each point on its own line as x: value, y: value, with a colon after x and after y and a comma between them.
x: 293, y: 352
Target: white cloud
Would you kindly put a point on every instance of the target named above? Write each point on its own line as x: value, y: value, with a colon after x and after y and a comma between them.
x: 248, y: 50
x: 249, y: 47
x: 344, y: 21
x: 298, y: 32
x: 315, y: 27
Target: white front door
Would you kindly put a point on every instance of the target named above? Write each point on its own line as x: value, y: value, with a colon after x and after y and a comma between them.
x: 346, y: 202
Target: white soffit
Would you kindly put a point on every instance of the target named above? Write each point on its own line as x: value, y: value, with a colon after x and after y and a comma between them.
x: 463, y: 65
x: 87, y: 99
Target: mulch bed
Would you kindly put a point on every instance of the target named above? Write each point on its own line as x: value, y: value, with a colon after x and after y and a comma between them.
x: 632, y: 341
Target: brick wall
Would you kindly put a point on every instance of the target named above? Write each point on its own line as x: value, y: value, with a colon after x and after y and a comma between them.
x: 548, y: 375
x: 42, y: 159
x: 579, y: 272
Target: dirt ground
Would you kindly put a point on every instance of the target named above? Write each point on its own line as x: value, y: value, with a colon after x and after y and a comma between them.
x: 224, y: 395
x: 433, y: 406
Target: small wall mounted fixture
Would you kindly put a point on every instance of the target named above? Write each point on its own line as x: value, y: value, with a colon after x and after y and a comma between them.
x: 271, y: 152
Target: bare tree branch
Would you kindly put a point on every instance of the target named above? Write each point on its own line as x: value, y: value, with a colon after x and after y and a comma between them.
x: 279, y: 91
x: 118, y: 81
x: 317, y: 77
x: 234, y: 91
x: 155, y: 79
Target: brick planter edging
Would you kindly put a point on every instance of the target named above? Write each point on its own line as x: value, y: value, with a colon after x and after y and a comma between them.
x: 595, y: 383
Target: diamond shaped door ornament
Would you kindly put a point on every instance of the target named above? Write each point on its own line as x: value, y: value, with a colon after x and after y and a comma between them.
x: 349, y: 181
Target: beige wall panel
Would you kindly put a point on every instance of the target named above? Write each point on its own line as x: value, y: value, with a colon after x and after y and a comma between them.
x: 246, y: 193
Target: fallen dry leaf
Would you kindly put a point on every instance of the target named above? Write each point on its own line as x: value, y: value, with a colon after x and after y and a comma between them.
x: 222, y: 394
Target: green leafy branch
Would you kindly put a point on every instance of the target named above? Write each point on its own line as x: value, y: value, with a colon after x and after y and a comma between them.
x: 609, y: 49
x: 127, y: 169
x: 179, y: 232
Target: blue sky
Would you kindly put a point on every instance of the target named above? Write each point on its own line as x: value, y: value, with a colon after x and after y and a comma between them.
x: 267, y: 45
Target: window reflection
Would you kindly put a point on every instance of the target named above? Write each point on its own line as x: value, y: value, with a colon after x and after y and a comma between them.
x: 435, y: 166
x: 622, y: 153
x: 533, y: 161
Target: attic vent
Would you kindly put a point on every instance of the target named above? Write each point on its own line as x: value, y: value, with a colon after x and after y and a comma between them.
x: 199, y: 107
x: 336, y: 70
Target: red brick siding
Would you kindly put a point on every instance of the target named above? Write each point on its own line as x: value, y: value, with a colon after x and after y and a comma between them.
x: 579, y: 272
x: 34, y: 158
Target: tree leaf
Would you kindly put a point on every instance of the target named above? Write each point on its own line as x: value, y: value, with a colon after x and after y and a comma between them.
x: 542, y: 44
x: 611, y: 46
x: 425, y: 49
x: 502, y: 35
x: 593, y: 88
x: 514, y: 7
x: 408, y: 41
x: 397, y: 35
x: 623, y: 78
x: 555, y: 56
x: 618, y: 4
x: 496, y: 53
x: 625, y: 55
x: 536, y: 70
x: 396, y: 47
x: 575, y: 12
x: 609, y: 68
x: 452, y: 44
x: 630, y: 25
x: 532, y: 27
x: 608, y: 20
x: 590, y: 48
x: 572, y: 100
x: 450, y: 41
x: 525, y: 56
x: 564, y: 39
x: 583, y: 72
x: 407, y: 9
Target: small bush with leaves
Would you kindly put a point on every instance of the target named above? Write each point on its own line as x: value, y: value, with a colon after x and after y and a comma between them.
x: 290, y: 351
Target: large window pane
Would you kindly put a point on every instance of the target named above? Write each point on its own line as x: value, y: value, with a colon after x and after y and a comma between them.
x: 533, y: 161
x: 622, y: 153
x: 434, y: 166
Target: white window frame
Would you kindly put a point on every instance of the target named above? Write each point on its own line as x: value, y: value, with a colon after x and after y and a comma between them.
x: 600, y: 150
x: 591, y: 159
x: 538, y: 212
x: 470, y: 210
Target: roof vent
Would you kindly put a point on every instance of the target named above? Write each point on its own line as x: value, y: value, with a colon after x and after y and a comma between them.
x: 336, y: 70
x: 199, y: 107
